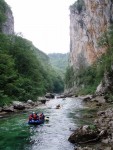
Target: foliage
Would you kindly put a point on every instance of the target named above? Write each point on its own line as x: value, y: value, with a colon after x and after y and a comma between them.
x: 24, y: 75
x: 58, y: 85
x: 93, y: 127
x: 69, y: 77
x: 59, y: 62
x: 25, y: 71
x: 79, y: 5
x: 87, y: 79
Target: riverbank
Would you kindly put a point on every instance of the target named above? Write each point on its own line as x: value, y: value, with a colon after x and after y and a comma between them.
x: 99, y: 134
x: 18, y: 106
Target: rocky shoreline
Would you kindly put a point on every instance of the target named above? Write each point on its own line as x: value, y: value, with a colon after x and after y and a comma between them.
x: 17, y: 106
x: 100, y: 131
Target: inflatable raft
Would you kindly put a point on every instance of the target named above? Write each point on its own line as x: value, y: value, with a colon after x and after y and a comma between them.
x: 36, y: 122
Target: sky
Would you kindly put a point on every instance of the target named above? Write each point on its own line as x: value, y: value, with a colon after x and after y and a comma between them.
x: 44, y: 22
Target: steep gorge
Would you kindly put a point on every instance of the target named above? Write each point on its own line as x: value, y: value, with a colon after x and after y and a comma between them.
x: 88, y: 21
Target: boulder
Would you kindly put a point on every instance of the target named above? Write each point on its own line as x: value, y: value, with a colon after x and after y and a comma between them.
x: 42, y: 99
x: 49, y: 95
x: 99, y: 99
x: 83, y: 148
x: 30, y: 102
x: 61, y: 96
x: 86, y: 98
x: 18, y: 105
x: 58, y: 106
x: 84, y: 135
x: 8, y: 109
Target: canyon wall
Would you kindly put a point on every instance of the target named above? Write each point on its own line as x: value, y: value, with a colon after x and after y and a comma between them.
x: 8, y: 25
x: 88, y: 20
x: 6, y: 19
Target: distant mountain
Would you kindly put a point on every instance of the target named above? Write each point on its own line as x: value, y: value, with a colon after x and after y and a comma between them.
x: 59, y: 62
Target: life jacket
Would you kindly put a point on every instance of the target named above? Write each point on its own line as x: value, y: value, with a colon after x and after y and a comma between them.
x: 30, y: 117
x: 42, y: 116
x: 35, y: 116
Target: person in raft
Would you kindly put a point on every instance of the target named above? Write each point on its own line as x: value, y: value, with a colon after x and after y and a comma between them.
x: 41, y: 116
x: 33, y: 116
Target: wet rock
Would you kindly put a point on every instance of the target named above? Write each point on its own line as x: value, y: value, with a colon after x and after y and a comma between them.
x: 105, y: 141
x: 58, y: 106
x: 84, y: 148
x: 18, y: 105
x: 89, y: 148
x: 84, y: 135
x: 30, y: 102
x: 99, y: 99
x: 61, y: 96
x: 108, y: 148
x: 49, y: 95
x: 98, y: 104
x: 8, y: 109
x: 100, y: 113
x: 42, y: 99
x: 86, y: 98
x: 103, y: 132
x: 105, y: 122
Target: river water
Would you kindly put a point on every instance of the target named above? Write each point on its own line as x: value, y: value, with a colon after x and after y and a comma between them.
x: 16, y: 134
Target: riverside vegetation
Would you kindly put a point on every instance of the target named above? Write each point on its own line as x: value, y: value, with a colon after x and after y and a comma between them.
x: 59, y: 62
x: 23, y: 74
x: 26, y: 72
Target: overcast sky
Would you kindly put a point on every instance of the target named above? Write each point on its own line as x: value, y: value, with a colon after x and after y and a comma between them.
x: 44, y: 22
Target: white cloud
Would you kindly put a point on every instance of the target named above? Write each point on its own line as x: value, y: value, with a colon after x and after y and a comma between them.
x: 44, y: 22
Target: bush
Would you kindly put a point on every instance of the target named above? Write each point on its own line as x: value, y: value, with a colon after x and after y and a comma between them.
x: 79, y: 5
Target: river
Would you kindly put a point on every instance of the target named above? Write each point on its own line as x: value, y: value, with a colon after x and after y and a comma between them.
x: 16, y: 134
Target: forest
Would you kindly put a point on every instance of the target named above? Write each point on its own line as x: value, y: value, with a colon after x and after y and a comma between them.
x: 25, y: 71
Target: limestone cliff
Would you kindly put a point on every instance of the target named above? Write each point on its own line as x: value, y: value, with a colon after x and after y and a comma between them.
x: 6, y: 19
x: 88, y: 20
x: 8, y: 25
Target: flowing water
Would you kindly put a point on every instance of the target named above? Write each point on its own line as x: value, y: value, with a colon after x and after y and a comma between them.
x: 16, y: 134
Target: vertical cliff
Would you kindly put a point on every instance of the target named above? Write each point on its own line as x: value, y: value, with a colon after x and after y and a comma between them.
x: 88, y: 20
x: 6, y: 18
x: 8, y: 25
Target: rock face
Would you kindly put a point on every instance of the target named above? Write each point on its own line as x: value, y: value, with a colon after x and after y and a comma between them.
x: 8, y: 25
x: 88, y: 20
x: 85, y: 135
x: 106, y: 84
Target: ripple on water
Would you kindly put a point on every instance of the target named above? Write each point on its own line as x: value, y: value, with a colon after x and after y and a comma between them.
x: 53, y: 135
